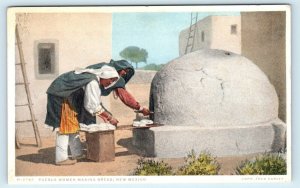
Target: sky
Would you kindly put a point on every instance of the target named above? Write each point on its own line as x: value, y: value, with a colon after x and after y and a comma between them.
x: 158, y: 33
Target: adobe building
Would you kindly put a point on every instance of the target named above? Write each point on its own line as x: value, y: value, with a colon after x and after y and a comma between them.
x: 68, y: 40
x: 214, y: 32
x: 264, y: 43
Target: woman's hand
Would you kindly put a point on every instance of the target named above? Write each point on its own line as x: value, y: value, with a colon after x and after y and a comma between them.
x: 113, y: 121
x: 145, y: 111
x: 108, y: 118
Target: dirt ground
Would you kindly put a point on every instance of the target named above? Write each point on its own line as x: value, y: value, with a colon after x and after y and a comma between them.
x: 34, y: 161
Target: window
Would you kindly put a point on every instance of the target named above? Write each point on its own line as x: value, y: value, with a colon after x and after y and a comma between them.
x: 202, y: 36
x: 46, y: 59
x: 234, y: 29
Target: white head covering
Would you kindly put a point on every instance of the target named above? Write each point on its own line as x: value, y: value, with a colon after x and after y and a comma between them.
x: 104, y: 72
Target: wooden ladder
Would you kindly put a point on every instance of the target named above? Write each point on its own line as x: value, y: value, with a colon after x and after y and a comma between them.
x: 29, y: 104
x: 192, y: 31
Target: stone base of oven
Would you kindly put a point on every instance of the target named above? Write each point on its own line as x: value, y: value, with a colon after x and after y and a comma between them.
x: 177, y: 141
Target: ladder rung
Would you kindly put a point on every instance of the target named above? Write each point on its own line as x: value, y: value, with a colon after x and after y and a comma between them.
x: 21, y: 63
x: 17, y: 105
x: 22, y: 83
x: 23, y: 121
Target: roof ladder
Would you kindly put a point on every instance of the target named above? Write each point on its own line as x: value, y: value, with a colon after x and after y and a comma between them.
x: 29, y: 104
x: 192, y: 31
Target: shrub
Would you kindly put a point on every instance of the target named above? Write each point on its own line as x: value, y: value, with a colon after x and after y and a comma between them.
x: 266, y: 164
x: 204, y: 164
x: 151, y: 168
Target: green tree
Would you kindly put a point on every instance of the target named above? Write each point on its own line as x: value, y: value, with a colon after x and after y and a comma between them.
x: 134, y: 54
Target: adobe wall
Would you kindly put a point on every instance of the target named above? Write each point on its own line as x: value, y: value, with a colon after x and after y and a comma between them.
x: 202, y: 25
x: 82, y: 39
x: 264, y: 42
x: 222, y: 38
x: 214, y: 32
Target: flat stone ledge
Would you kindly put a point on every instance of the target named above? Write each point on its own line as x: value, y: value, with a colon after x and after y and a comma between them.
x: 177, y: 141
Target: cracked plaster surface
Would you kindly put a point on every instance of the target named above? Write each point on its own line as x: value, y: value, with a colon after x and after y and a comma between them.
x: 212, y: 88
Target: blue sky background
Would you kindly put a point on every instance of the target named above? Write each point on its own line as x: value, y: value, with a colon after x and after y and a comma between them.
x: 158, y: 33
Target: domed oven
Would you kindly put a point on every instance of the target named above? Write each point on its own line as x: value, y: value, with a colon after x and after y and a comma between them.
x: 215, y: 101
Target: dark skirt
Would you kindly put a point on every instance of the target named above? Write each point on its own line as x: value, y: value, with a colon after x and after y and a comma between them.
x: 54, y: 106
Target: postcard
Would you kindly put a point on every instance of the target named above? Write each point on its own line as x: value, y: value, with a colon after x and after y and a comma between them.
x: 149, y: 94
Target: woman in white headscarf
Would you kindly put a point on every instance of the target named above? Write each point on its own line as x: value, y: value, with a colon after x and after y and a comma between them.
x: 74, y: 97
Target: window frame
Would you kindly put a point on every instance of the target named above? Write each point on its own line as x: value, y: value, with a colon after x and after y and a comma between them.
x: 202, y: 36
x: 233, y: 29
x: 54, y: 58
